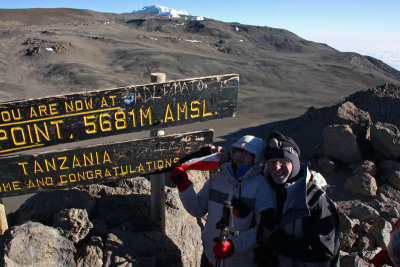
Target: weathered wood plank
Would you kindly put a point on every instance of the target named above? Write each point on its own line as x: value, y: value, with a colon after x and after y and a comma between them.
x: 25, y: 174
x: 63, y: 119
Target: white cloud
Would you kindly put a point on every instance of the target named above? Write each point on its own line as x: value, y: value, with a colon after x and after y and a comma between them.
x: 383, y: 46
x: 389, y: 53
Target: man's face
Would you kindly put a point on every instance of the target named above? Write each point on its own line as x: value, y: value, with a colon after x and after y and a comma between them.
x: 279, y: 169
x: 242, y: 157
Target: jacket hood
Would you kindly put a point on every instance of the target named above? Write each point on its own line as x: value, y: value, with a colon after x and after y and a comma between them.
x: 251, y: 144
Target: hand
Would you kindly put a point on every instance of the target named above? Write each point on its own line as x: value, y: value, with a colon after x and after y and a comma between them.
x: 222, y: 153
x: 180, y: 178
x: 223, y: 249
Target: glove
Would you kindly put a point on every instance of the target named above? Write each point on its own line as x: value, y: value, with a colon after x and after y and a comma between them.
x: 223, y: 249
x: 180, y: 178
x: 268, y: 219
x: 240, y: 209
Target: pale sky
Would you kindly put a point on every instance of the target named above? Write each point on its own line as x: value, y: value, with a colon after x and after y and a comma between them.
x: 368, y: 27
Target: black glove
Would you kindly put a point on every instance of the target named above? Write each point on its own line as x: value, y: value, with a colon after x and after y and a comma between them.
x: 268, y: 219
x: 240, y: 209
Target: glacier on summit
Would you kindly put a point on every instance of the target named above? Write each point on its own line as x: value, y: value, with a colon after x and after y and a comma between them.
x: 161, y: 11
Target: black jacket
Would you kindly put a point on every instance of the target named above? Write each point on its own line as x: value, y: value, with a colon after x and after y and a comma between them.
x: 307, y: 225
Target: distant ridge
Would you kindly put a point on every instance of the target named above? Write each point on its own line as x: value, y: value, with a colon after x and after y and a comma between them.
x: 57, y: 51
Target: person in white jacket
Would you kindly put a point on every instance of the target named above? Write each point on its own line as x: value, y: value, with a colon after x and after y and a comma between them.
x: 239, y: 181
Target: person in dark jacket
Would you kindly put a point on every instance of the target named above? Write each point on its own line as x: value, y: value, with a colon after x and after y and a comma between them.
x: 300, y: 227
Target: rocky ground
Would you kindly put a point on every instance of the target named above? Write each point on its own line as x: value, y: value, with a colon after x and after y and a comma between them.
x: 357, y: 150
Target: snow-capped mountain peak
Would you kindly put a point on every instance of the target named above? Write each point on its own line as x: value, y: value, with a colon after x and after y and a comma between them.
x: 161, y: 11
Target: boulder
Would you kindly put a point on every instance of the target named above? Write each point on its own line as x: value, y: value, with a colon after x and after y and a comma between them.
x: 42, y: 206
x: 362, y: 243
x: 117, y: 205
x: 339, y: 143
x: 385, y: 139
x: 363, y: 184
x: 73, y: 224
x: 364, y: 213
x: 353, y: 260
x: 387, y: 167
x: 391, y: 194
x: 359, y: 120
x: 326, y: 165
x: 198, y: 178
x: 380, y: 230
x: 347, y: 224
x: 141, y: 249
x: 347, y: 240
x: 34, y: 244
x: 127, y: 208
x: 394, y: 179
x: 182, y: 229
x: 365, y: 167
x: 91, y: 254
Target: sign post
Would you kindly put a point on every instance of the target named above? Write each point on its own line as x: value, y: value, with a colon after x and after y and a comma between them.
x: 64, y: 119
x: 157, y: 211
x: 45, y: 171
x: 34, y: 123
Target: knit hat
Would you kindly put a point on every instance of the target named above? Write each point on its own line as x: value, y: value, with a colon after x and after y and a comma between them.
x: 251, y: 144
x: 280, y: 146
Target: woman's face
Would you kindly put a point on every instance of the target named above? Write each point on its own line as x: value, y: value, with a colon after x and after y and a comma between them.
x: 242, y: 157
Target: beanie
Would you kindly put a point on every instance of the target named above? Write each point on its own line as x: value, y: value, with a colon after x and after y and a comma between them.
x: 280, y: 146
x: 251, y: 144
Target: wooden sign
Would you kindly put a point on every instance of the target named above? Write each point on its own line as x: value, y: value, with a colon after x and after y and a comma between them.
x: 27, y: 174
x: 87, y: 115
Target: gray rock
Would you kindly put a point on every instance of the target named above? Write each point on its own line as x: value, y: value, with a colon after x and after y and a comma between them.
x: 116, y: 205
x: 42, y: 206
x: 382, y: 198
x: 369, y: 254
x: 141, y: 249
x: 365, y: 167
x: 364, y: 213
x: 353, y: 260
x: 326, y: 165
x: 358, y: 119
x: 362, y: 243
x: 376, y: 204
x: 347, y: 240
x: 73, y: 223
x: 91, y: 255
x: 393, y: 212
x: 137, y: 185
x: 339, y: 143
x: 387, y: 167
x: 34, y: 244
x: 363, y: 184
x: 183, y: 230
x: 127, y: 209
x: 380, y: 230
x: 347, y: 224
x: 385, y: 139
x: 394, y: 179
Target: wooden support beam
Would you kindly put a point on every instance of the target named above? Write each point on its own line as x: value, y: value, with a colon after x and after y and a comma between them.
x: 157, y: 212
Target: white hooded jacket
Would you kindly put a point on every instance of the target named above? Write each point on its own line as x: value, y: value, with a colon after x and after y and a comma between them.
x: 223, y: 186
